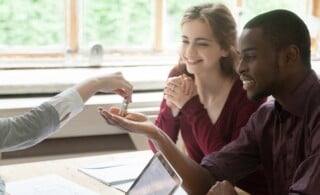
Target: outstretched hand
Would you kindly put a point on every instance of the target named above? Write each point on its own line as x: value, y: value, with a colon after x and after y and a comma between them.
x: 132, y: 122
x: 222, y: 188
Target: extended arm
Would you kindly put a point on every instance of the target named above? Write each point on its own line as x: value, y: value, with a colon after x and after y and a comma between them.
x: 196, y: 179
x: 23, y: 131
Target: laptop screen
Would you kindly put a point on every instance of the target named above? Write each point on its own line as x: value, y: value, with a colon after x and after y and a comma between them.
x: 157, y: 178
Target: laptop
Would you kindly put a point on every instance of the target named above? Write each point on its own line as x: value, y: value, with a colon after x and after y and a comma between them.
x: 157, y: 178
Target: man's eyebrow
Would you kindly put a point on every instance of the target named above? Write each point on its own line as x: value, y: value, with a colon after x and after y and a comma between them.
x: 248, y: 49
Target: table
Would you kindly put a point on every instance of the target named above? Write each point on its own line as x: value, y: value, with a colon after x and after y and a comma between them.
x: 68, y: 169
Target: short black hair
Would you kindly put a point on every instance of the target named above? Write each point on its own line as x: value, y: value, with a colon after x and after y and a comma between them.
x: 282, y: 28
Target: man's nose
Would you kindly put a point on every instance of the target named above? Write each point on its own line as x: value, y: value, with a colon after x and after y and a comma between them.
x: 240, y: 67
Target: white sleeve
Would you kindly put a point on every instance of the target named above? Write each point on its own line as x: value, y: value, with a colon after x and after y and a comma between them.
x: 68, y: 104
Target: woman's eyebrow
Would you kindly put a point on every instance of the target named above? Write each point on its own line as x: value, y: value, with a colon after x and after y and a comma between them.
x: 203, y: 39
x: 197, y: 39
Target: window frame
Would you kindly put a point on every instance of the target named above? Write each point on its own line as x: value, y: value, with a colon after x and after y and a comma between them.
x: 73, y: 28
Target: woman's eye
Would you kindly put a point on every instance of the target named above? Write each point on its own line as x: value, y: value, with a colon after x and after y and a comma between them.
x: 202, y: 44
x: 185, y: 41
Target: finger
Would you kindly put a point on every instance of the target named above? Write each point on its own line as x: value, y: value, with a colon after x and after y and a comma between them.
x: 215, y: 189
x: 186, y: 86
x: 182, y: 84
x: 136, y: 117
x: 115, y: 110
x: 124, y: 123
x: 113, y: 119
x: 125, y: 93
x: 168, y: 97
x: 168, y: 91
x: 110, y: 122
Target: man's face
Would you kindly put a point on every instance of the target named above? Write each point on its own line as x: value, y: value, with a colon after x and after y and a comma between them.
x: 258, y: 67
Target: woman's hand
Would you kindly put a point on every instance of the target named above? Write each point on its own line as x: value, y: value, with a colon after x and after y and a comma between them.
x: 132, y: 122
x: 114, y: 82
x: 179, y: 90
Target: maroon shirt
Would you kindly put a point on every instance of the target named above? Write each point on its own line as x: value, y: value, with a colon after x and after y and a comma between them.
x: 285, y: 139
x: 201, y: 137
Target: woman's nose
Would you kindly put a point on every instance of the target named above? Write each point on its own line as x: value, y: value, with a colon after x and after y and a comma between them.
x: 190, y: 51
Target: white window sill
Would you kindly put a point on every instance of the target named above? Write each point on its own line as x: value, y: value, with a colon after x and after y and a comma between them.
x: 41, y: 81
x: 49, y: 81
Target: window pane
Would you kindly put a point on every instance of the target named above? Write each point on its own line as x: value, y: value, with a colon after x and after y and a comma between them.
x: 117, y: 23
x: 32, y: 22
x: 175, y: 10
x: 251, y: 8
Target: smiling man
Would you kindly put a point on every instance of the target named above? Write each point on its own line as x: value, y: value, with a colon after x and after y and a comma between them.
x: 284, y: 134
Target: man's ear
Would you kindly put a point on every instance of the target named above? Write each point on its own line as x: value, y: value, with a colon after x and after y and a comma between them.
x: 291, y: 54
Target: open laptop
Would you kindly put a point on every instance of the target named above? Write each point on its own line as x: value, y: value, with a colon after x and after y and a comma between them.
x: 157, y: 178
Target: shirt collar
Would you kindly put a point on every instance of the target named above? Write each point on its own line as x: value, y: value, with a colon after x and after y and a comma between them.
x: 298, y: 100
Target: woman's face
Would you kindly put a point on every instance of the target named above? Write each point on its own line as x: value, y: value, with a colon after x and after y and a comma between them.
x: 200, y: 49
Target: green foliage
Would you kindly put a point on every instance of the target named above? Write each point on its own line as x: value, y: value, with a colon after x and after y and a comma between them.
x: 121, y: 23
x: 114, y: 23
x: 27, y: 22
x: 253, y: 7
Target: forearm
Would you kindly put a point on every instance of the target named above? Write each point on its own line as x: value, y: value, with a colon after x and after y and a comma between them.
x: 88, y: 88
x: 196, y: 179
x: 26, y: 130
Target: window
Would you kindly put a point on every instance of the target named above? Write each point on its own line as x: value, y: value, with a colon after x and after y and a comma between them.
x: 27, y: 24
x: 117, y: 24
x: 61, y: 30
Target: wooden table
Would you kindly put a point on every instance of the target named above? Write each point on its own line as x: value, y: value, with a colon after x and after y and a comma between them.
x: 68, y: 169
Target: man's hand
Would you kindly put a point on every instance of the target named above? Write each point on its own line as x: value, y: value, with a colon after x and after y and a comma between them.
x: 222, y: 188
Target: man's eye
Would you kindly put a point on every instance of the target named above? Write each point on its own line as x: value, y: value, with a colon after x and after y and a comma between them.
x: 248, y: 58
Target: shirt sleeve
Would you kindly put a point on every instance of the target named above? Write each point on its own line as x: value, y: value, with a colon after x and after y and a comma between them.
x: 68, y: 104
x: 28, y: 129
x: 165, y: 119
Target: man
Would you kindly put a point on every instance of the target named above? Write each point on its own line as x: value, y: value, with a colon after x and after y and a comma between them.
x: 283, y: 135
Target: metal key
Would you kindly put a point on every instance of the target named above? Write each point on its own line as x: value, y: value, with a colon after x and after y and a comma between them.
x: 124, y: 107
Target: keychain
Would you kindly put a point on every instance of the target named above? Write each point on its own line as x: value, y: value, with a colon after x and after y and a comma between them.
x: 124, y: 107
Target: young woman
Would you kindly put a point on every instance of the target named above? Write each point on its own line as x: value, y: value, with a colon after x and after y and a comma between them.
x: 210, y: 111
